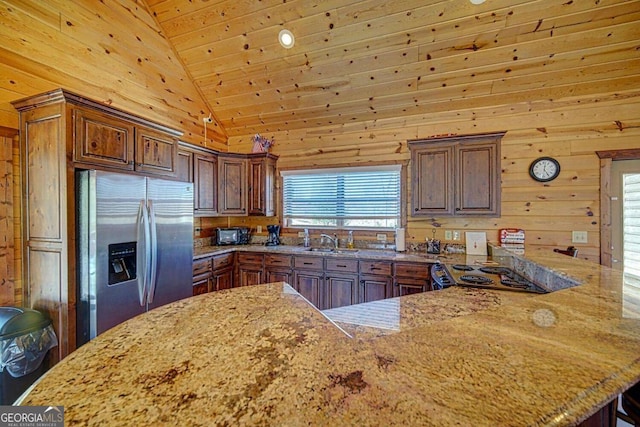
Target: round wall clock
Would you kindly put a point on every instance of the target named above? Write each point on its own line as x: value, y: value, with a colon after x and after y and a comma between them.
x: 544, y: 169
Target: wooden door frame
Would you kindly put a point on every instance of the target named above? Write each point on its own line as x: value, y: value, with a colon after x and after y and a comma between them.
x: 606, y: 162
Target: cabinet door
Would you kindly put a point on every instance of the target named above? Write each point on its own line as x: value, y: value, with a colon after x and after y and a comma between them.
x: 340, y: 290
x: 310, y: 285
x: 103, y: 140
x: 261, y: 186
x: 432, y: 181
x: 250, y: 275
x: 222, y: 279
x: 205, y: 178
x: 478, y: 179
x: 155, y: 152
x: 201, y: 286
x: 232, y: 184
x: 278, y: 275
x: 405, y: 286
x: 373, y: 288
x: 184, y: 166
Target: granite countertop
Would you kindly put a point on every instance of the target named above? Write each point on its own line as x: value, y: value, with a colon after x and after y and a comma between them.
x: 262, y: 355
x: 387, y: 254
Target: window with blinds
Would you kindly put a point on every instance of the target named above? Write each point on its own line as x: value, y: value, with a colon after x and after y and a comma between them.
x: 358, y: 197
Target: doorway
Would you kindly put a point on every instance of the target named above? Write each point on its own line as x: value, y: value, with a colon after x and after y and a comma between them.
x: 625, y: 217
x: 625, y: 230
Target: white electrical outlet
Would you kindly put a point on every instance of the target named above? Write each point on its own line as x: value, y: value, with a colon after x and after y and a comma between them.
x: 448, y: 235
x: 579, y: 237
x: 381, y: 237
x: 456, y: 235
x: 258, y: 229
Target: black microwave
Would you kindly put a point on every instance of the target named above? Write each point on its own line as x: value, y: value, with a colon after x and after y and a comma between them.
x: 232, y: 236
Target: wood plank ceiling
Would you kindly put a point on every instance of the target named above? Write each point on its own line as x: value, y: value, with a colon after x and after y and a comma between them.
x: 358, y: 61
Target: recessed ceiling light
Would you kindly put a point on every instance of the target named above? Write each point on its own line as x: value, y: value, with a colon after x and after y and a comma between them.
x: 477, y: 1
x: 286, y: 39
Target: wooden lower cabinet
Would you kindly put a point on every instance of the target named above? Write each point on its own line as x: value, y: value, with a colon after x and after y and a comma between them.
x: 308, y: 278
x: 277, y: 268
x: 249, y: 275
x: 250, y: 269
x: 201, y: 276
x: 411, y: 278
x: 404, y: 286
x: 201, y: 285
x: 278, y: 275
x: 213, y: 273
x: 310, y: 284
x: 340, y: 290
x: 374, y: 288
x: 326, y: 282
x: 222, y: 279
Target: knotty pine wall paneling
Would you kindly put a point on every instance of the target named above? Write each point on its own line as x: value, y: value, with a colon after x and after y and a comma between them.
x: 112, y: 52
x: 570, y: 129
x: 8, y: 271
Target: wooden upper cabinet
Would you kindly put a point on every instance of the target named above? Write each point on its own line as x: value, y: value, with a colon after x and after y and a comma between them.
x: 262, y: 176
x: 184, y: 165
x: 232, y: 184
x: 103, y: 140
x: 478, y: 178
x: 456, y: 176
x: 431, y: 180
x: 155, y: 152
x: 205, y: 177
x: 110, y: 140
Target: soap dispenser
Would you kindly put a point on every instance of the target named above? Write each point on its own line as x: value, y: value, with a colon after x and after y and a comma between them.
x: 307, y: 241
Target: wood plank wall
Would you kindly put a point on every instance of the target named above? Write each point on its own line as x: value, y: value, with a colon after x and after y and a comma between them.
x: 112, y: 52
x: 570, y: 129
x: 7, y: 249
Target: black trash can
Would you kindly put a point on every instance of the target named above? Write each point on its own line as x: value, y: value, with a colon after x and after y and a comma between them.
x: 25, y: 338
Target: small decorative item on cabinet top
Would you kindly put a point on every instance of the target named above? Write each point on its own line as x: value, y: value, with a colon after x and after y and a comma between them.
x: 261, y: 144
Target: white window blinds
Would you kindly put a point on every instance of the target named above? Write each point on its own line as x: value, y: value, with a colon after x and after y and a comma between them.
x: 363, y: 197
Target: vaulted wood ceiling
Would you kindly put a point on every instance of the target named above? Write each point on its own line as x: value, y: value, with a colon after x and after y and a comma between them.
x: 368, y: 60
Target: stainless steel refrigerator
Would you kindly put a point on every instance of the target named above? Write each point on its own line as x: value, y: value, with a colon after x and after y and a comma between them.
x: 135, y: 247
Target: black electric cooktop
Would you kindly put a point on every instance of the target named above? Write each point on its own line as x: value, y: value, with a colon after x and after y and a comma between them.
x: 480, y: 276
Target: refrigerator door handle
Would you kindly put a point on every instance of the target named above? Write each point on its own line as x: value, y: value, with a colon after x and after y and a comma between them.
x: 143, y: 251
x: 154, y: 252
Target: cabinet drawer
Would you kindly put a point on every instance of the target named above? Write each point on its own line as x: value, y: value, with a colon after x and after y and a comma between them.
x: 250, y: 258
x: 413, y: 270
x: 346, y: 265
x: 201, y: 266
x: 375, y: 267
x: 308, y: 262
x: 277, y: 260
x: 201, y: 278
x: 222, y: 261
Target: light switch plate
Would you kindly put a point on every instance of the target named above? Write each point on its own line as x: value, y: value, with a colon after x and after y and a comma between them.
x: 448, y: 235
x: 381, y: 237
x: 579, y: 237
x: 258, y: 229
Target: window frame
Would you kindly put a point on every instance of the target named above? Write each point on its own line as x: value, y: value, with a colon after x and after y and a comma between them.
x: 402, y: 220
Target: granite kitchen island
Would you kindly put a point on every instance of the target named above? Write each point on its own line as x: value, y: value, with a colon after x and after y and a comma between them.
x: 262, y: 355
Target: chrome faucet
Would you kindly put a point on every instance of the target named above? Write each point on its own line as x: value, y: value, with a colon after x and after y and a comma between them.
x: 333, y: 239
